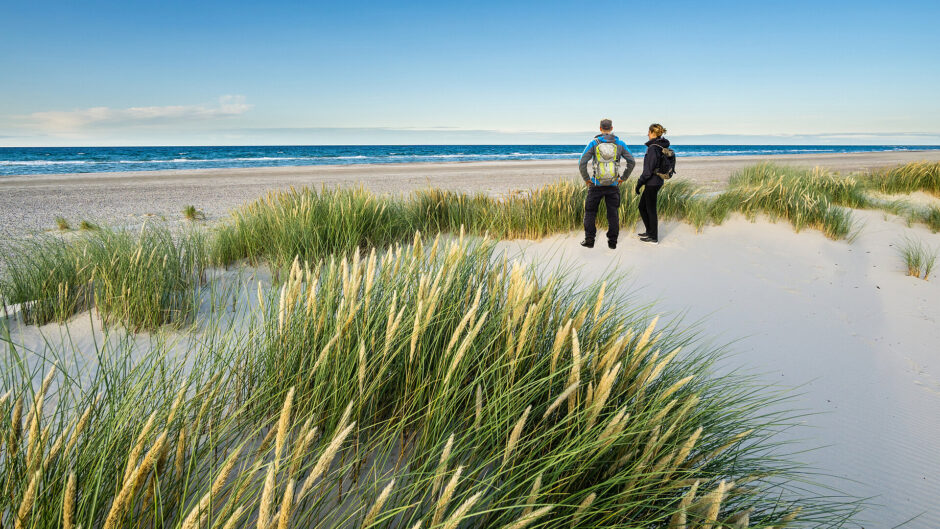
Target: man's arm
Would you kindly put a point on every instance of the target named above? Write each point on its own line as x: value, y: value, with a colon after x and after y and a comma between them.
x: 586, y: 157
x: 628, y: 156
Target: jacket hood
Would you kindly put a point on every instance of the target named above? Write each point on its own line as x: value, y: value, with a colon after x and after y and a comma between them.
x: 607, y: 137
x: 659, y: 141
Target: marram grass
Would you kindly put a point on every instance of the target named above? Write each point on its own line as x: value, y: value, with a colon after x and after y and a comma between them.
x: 142, y: 278
x: 409, y: 388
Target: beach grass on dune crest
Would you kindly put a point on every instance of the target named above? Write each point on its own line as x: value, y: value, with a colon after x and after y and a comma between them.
x: 907, y: 178
x: 143, y: 279
x: 430, y: 385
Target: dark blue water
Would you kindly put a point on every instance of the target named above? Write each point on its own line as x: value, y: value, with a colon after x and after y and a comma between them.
x: 51, y: 160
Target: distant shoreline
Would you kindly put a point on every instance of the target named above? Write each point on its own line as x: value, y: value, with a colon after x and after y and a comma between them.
x: 41, y: 161
x: 30, y: 203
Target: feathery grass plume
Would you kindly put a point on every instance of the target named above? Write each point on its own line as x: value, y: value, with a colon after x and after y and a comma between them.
x: 478, y: 412
x: 134, y: 457
x: 645, y: 337
x: 180, y: 452
x: 379, y: 503
x: 287, y: 503
x: 16, y: 430
x: 515, y: 435
x: 415, y: 330
x: 236, y: 516
x: 527, y: 519
x: 600, y: 300
x: 283, y: 424
x: 301, y: 449
x: 362, y: 367
x: 267, y: 500
x: 711, y: 505
x: 26, y: 504
x: 614, y: 427
x: 442, y: 465
x: 324, y: 461
x: 68, y: 503
x: 676, y: 386
x: 560, y: 337
x: 133, y: 483
x: 560, y: 399
x: 789, y: 517
x: 687, y: 447
x: 533, y: 495
x: 225, y: 471
x: 198, y: 514
x: 602, y: 394
x: 442, y: 503
x: 461, y: 512
x: 680, y: 517
x: 464, y: 345
x: 582, y: 508
x: 574, y: 378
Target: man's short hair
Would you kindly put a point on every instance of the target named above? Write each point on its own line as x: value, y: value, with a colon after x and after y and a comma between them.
x: 607, y: 124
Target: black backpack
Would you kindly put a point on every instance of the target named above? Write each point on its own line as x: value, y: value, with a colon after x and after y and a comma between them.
x: 667, y: 163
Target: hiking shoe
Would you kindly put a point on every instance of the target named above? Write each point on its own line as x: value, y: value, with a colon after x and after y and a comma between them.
x: 612, y: 245
x: 649, y: 239
x: 587, y: 244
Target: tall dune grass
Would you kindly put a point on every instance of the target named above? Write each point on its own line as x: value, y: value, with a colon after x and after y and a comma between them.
x: 431, y: 385
x: 907, y: 178
x: 143, y: 279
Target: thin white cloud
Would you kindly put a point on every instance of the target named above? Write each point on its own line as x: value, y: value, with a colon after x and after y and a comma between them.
x: 96, y: 117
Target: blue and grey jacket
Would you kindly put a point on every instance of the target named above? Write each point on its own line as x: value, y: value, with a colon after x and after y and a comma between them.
x: 622, y: 151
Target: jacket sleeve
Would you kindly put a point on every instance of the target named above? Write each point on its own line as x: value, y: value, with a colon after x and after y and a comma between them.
x: 631, y: 163
x: 650, y: 162
x: 586, y: 157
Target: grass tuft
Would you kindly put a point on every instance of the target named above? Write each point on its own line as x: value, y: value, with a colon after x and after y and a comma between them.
x: 190, y: 213
x: 62, y: 224
x: 918, y: 258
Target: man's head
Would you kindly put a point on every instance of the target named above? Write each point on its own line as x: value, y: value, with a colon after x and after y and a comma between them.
x: 607, y: 126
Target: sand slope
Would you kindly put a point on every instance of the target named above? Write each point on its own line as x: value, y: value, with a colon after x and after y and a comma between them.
x: 841, y: 320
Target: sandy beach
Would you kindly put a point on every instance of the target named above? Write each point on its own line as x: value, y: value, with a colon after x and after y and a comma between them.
x: 30, y: 203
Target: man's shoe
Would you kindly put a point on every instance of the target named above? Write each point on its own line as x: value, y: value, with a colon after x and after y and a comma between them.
x: 649, y: 239
x: 587, y: 244
x: 612, y: 245
x: 641, y: 235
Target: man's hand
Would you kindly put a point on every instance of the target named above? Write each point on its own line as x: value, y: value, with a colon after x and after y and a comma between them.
x: 589, y: 183
x: 637, y: 188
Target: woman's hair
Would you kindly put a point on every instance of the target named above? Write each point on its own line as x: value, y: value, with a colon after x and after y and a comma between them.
x: 657, y: 129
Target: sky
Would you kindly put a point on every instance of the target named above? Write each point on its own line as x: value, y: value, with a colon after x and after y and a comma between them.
x: 306, y: 73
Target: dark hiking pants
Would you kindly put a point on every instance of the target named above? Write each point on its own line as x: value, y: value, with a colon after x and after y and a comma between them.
x: 648, y: 210
x: 611, y: 196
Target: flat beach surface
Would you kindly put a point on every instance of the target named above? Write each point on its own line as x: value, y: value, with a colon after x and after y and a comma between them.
x: 31, y: 203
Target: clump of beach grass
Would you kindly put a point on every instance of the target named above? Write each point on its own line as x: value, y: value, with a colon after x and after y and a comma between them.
x: 907, y: 178
x: 271, y: 425
x: 190, y: 213
x: 143, y: 279
x: 87, y: 225
x: 62, y: 224
x: 919, y: 258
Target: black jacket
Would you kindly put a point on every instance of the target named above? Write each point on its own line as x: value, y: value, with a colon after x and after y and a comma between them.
x: 651, y: 162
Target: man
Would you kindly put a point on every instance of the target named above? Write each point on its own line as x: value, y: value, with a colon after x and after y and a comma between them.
x: 606, y: 150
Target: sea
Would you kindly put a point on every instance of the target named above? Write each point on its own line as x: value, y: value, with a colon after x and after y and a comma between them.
x: 49, y: 160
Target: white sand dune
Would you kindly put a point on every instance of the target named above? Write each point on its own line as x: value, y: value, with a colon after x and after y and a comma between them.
x: 841, y: 321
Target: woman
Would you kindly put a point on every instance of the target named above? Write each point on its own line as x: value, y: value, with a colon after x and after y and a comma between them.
x: 652, y: 181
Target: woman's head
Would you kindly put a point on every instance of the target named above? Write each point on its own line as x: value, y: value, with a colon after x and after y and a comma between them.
x: 656, y: 130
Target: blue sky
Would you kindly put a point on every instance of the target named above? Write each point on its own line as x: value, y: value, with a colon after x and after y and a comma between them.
x: 137, y: 73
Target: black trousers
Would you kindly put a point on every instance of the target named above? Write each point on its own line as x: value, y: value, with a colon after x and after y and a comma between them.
x: 611, y: 196
x: 648, y: 210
